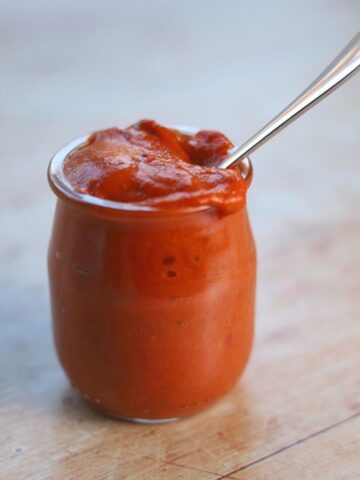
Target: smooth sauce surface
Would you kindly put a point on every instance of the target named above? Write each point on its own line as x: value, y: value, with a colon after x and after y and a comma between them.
x: 149, y: 164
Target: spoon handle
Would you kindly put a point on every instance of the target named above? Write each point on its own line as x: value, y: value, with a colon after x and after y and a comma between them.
x: 345, y: 65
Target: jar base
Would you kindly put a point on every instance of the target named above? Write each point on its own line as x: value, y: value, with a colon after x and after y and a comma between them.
x: 139, y: 420
x: 145, y: 421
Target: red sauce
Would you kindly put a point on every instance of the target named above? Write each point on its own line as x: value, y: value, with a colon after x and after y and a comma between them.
x: 148, y: 164
x: 152, y: 310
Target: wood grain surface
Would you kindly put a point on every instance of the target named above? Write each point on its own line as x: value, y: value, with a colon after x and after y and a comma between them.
x: 72, y: 67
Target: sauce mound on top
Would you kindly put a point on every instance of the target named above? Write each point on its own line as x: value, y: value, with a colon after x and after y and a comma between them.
x: 149, y: 164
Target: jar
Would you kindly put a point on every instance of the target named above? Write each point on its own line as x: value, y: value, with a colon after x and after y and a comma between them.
x: 153, y: 309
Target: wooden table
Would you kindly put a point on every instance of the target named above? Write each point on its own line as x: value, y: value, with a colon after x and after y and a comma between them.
x: 72, y: 67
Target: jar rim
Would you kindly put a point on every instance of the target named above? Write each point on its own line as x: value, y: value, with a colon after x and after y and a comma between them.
x: 63, y: 188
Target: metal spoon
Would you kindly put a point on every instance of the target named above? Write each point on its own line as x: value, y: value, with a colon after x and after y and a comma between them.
x: 345, y: 65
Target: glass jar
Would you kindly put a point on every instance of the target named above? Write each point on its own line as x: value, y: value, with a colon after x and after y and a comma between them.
x: 153, y: 309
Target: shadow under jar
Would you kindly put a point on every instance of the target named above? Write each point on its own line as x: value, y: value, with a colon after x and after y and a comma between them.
x: 153, y: 309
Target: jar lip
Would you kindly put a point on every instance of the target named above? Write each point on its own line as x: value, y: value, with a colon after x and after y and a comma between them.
x: 63, y: 188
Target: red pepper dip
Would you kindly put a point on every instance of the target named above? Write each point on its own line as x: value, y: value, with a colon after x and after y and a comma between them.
x: 148, y: 164
x: 152, y: 270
